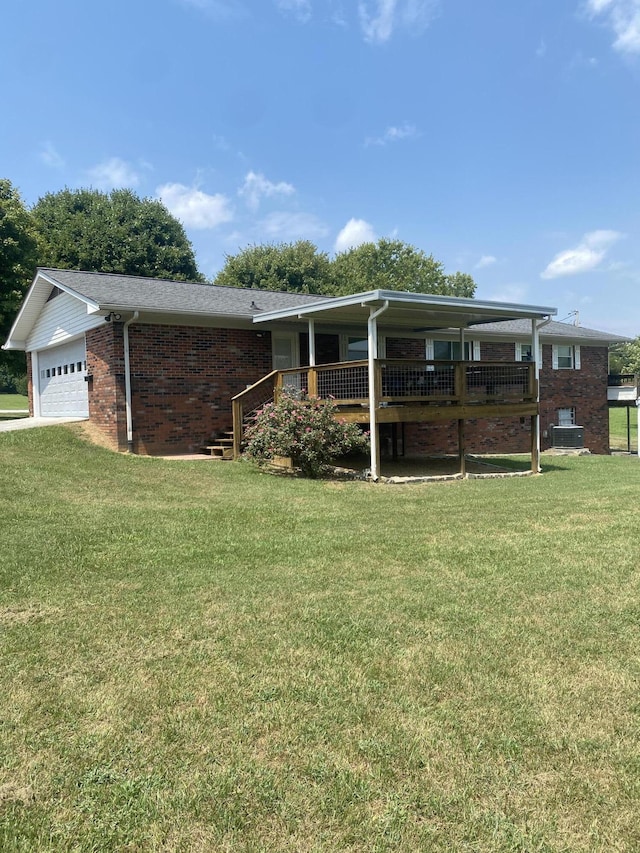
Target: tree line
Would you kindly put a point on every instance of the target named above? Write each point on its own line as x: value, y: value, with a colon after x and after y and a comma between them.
x: 119, y: 232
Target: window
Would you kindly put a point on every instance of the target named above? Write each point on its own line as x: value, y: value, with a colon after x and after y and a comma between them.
x: 357, y: 349
x: 566, y: 417
x: 524, y: 352
x: 450, y: 351
x: 566, y: 357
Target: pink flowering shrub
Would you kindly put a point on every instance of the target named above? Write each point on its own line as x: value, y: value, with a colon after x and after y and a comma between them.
x: 306, y: 430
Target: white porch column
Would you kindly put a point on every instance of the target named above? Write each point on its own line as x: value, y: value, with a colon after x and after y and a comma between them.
x: 638, y: 423
x: 372, y: 354
x: 312, y: 343
x: 536, y: 355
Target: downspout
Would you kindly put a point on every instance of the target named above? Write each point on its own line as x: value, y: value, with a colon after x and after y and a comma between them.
x: 127, y: 381
x: 372, y: 344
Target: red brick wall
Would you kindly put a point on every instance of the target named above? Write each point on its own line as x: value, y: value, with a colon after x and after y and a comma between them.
x: 183, y: 380
x: 405, y: 348
x: 584, y: 389
x: 105, y: 364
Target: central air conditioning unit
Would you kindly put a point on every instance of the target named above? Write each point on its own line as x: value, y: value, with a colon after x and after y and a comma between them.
x: 569, y: 437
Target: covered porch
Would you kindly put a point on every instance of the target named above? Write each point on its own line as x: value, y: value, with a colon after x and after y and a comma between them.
x: 379, y: 390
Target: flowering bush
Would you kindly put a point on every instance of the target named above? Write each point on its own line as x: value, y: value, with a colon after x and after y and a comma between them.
x: 306, y: 430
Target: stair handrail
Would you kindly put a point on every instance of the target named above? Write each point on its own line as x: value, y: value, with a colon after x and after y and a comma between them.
x: 238, y: 406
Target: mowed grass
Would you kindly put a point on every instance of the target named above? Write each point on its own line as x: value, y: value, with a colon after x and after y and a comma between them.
x: 13, y: 403
x: 204, y: 657
x: 618, y: 436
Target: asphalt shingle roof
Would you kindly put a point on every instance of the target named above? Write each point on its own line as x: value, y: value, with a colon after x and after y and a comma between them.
x: 113, y: 291
x: 553, y: 329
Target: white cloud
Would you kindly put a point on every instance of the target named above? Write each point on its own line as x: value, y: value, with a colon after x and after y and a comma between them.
x: 194, y: 208
x: 586, y: 256
x: 256, y: 187
x: 393, y: 134
x: 486, y: 261
x: 378, y: 23
x: 623, y: 17
x: 282, y: 225
x: 50, y: 156
x: 354, y: 233
x: 112, y: 174
x: 299, y: 9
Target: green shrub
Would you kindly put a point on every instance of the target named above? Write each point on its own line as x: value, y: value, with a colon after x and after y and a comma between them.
x: 304, y: 429
x: 7, y: 381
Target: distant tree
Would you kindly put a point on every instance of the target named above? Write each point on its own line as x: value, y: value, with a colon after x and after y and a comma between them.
x: 461, y: 284
x: 395, y: 265
x: 113, y: 232
x: 625, y: 358
x: 294, y: 267
x: 18, y: 261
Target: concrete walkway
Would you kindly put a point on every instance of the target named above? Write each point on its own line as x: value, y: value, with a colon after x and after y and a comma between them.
x: 28, y: 423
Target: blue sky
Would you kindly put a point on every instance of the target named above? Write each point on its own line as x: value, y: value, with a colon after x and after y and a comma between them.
x: 501, y: 137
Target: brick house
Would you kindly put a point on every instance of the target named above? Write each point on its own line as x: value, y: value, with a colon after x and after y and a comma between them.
x: 155, y: 364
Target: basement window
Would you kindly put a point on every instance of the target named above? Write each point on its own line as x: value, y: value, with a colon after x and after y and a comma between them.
x: 566, y: 417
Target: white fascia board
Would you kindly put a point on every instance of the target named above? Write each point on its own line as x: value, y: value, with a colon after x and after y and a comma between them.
x: 92, y: 306
x: 170, y: 312
x: 19, y: 344
x: 424, y: 300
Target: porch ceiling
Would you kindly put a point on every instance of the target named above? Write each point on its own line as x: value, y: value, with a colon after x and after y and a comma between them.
x: 418, y: 312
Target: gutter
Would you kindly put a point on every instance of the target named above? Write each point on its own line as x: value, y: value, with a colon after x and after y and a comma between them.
x: 127, y: 381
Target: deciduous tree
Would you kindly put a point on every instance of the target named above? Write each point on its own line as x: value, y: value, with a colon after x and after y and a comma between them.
x: 113, y: 232
x: 18, y: 260
x: 294, y: 267
x: 395, y: 265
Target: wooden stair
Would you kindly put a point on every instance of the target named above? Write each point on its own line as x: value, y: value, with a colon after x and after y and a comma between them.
x: 222, y: 446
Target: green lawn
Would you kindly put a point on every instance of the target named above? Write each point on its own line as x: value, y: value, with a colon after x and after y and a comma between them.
x: 202, y: 657
x: 618, y: 428
x: 14, y: 403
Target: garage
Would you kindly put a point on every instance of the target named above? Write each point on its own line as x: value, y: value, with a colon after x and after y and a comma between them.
x: 63, y: 390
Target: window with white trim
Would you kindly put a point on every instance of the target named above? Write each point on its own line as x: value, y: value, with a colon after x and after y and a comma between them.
x: 565, y: 357
x: 566, y: 417
x: 524, y: 352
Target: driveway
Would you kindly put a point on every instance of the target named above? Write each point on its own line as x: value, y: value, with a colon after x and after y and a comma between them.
x: 28, y: 423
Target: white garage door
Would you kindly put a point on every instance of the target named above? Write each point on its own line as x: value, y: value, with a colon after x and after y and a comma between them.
x: 63, y: 391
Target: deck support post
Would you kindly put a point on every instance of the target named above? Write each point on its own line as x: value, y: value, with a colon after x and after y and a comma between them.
x: 372, y: 354
x: 461, y: 446
x: 536, y: 356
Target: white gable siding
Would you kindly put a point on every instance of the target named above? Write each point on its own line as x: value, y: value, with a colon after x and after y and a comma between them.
x: 62, y: 318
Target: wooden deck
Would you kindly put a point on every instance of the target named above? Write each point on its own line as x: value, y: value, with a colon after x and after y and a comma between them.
x: 405, y: 391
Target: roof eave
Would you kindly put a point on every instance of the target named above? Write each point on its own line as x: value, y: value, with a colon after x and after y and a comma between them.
x: 498, y: 310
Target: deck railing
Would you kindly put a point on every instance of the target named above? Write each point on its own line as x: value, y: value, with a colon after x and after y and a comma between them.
x: 397, y: 382
x: 405, y: 381
x: 616, y: 380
